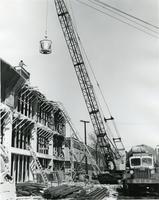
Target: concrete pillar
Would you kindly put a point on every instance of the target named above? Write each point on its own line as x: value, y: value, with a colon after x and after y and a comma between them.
x: 51, y: 147
x: 8, y: 138
x: 22, y: 169
x: 26, y: 173
x: 31, y: 177
x: 18, y: 166
x: 33, y: 140
x: 51, y: 153
x: 33, y: 143
x: 13, y: 169
x: 72, y: 153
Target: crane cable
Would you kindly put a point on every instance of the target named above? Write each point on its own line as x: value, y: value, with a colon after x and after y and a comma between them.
x: 129, y: 25
x: 84, y: 52
x: 46, y: 22
x: 116, y: 18
x: 117, y: 13
x: 98, y: 85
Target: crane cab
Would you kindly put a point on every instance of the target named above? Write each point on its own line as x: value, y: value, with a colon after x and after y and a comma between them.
x: 45, y: 46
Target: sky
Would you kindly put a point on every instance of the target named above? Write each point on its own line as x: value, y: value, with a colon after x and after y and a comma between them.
x: 125, y: 61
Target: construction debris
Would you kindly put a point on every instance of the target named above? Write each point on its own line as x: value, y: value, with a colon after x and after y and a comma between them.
x: 97, y: 194
x: 61, y: 191
x: 29, y: 189
x: 34, y: 130
x: 75, y: 192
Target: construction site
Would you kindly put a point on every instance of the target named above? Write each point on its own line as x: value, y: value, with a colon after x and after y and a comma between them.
x: 33, y: 135
x: 42, y: 154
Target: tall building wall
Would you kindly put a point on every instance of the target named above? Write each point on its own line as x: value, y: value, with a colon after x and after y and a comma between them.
x: 28, y: 118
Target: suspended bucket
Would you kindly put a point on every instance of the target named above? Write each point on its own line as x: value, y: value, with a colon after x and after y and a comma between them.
x: 45, y: 46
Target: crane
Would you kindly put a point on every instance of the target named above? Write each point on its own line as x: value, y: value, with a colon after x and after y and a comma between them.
x: 107, y: 146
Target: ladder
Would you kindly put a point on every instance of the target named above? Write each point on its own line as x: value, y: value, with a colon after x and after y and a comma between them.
x: 38, y: 165
x: 76, y: 134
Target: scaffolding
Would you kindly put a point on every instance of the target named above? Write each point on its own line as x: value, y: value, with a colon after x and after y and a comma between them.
x: 35, y: 131
x: 34, y: 121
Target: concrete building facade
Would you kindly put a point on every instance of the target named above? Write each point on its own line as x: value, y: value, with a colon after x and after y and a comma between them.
x: 31, y: 124
x: 29, y: 120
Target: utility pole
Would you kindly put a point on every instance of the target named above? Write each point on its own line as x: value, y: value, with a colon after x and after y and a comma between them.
x: 72, y: 153
x: 85, y: 141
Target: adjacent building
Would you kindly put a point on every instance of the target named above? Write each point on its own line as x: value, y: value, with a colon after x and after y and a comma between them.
x: 75, y: 157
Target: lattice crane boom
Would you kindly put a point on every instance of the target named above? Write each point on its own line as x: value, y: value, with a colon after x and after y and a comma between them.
x: 107, y: 146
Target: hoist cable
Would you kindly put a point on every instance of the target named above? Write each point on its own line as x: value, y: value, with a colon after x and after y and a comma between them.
x: 84, y: 51
x: 94, y: 76
x: 46, y: 22
x: 109, y: 131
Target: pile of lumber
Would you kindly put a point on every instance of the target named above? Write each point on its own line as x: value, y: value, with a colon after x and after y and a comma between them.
x: 29, y: 189
x: 74, y: 192
x: 63, y: 191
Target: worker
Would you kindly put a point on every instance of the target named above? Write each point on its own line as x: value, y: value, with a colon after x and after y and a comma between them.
x: 21, y: 63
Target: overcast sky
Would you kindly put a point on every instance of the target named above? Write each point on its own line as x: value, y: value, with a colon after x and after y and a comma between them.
x: 125, y: 61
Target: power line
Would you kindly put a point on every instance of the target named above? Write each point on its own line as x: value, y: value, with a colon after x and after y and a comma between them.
x: 131, y: 25
x: 125, y: 13
x: 114, y: 124
x: 117, y: 13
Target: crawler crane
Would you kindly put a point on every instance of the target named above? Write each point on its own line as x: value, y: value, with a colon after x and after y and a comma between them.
x: 108, y: 147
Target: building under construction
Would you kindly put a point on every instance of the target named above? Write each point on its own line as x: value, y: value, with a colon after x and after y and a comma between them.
x: 33, y: 130
x: 31, y: 126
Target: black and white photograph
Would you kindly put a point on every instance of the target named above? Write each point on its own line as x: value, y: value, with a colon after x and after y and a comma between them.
x: 79, y: 99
